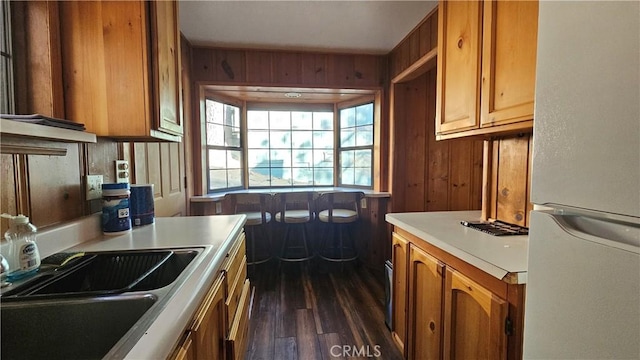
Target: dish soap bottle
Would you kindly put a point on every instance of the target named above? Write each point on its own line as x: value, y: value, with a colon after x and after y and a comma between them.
x: 24, y: 258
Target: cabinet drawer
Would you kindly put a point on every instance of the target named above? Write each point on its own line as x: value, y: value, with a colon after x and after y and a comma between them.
x: 235, y: 291
x: 237, y: 341
x: 234, y: 260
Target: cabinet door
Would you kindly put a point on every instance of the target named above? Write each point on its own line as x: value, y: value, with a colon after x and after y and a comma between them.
x: 186, y: 350
x: 510, y: 36
x: 239, y: 332
x: 459, y: 59
x: 210, y: 324
x: 166, y: 65
x: 399, y: 257
x: 474, y: 320
x: 426, y: 276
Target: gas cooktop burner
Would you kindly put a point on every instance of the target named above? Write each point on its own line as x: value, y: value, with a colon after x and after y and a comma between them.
x: 496, y: 228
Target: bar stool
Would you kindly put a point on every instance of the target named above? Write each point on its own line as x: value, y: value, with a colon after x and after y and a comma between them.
x: 254, y: 206
x: 338, y: 210
x: 295, y: 210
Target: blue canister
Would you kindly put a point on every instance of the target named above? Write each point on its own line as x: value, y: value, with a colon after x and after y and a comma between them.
x: 115, y: 209
x: 142, y: 207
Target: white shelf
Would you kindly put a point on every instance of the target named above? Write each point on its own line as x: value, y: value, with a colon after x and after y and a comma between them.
x: 42, y: 132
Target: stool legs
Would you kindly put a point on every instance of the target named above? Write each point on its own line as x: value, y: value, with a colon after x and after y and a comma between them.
x: 286, y: 244
x: 252, y: 239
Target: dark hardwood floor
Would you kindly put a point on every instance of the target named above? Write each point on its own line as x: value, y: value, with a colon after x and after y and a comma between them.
x: 317, y: 311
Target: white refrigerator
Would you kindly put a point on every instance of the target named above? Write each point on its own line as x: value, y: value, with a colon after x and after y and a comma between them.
x: 583, y: 287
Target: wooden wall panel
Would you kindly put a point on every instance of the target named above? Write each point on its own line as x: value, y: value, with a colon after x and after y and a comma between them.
x: 430, y: 175
x: 8, y: 191
x: 288, y: 68
x: 259, y: 67
x: 422, y: 39
x: 510, y: 180
x: 314, y: 69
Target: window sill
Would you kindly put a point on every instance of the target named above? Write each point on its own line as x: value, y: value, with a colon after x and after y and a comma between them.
x: 219, y: 196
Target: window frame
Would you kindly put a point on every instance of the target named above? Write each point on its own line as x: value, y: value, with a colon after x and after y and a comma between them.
x: 375, y: 137
x: 375, y: 98
x: 241, y: 148
x: 7, y: 102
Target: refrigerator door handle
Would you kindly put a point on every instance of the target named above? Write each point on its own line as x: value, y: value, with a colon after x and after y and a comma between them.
x: 625, y: 236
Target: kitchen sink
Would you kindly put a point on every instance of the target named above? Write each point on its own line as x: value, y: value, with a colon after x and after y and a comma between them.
x: 107, y: 273
x: 79, y: 328
x: 97, y: 306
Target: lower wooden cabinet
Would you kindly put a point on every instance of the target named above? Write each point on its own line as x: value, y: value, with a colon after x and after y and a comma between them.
x: 220, y: 325
x: 444, y: 308
x: 474, y: 320
x: 426, y: 275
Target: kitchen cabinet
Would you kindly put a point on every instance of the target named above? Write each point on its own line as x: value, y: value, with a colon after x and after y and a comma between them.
x: 121, y: 68
x: 486, y: 67
x: 220, y: 325
x: 474, y: 326
x: 426, y: 293
x: 399, y: 258
x: 455, y: 311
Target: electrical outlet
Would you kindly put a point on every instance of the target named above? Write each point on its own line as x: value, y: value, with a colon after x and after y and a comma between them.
x: 122, y: 171
x: 218, y: 207
x: 363, y: 203
x: 94, y: 187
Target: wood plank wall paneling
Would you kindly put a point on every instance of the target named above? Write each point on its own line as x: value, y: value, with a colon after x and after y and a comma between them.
x: 287, y: 68
x: 430, y: 175
x: 422, y: 39
x: 510, y: 179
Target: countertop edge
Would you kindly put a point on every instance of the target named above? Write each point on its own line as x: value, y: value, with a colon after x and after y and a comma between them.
x: 491, y: 269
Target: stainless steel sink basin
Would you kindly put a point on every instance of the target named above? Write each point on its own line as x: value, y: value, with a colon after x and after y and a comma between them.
x: 108, y: 273
x: 99, y: 306
x: 84, y: 328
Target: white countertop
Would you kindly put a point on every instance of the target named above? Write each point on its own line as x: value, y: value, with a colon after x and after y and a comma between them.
x: 496, y: 255
x: 214, y: 233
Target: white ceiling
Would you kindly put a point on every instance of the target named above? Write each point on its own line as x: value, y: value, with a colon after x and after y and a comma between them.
x: 373, y: 27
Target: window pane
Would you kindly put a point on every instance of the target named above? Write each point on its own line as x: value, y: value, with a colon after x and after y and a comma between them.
x: 234, y: 159
x: 347, y: 158
x: 232, y: 136
x: 323, y: 158
x: 215, y: 134
x: 362, y: 158
x: 280, y: 120
x: 258, y: 139
x: 302, y: 139
x: 364, y: 135
x: 302, y: 176
x: 323, y: 176
x: 347, y: 176
x: 301, y: 120
x: 214, y: 111
x: 302, y: 158
x: 258, y: 158
x: 347, y: 117
x: 280, y: 158
x: 347, y: 137
x: 280, y: 177
x: 259, y: 177
x: 323, y: 139
x: 257, y: 119
x: 217, y: 179
x: 280, y: 139
x: 234, y: 177
x: 217, y: 159
x: 364, y: 114
x: 323, y: 121
x: 363, y: 176
x: 232, y: 116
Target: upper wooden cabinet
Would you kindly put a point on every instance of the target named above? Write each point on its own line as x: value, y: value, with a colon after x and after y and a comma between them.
x: 486, y: 67
x: 121, y: 68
